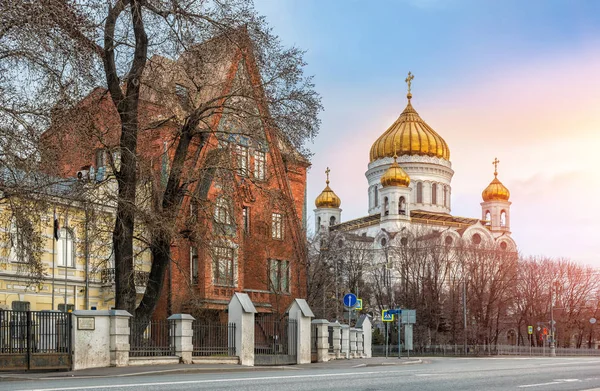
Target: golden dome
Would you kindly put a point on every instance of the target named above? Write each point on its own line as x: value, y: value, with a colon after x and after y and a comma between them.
x: 327, y: 198
x: 495, y: 191
x: 395, y: 176
x: 409, y: 135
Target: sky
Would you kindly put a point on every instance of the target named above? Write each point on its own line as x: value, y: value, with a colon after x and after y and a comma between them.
x: 516, y: 80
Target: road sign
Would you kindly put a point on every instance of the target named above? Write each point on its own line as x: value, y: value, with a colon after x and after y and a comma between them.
x: 539, y: 328
x: 409, y: 316
x: 358, y: 304
x: 397, y: 311
x: 545, y: 331
x: 386, y: 316
x: 529, y: 329
x: 592, y: 320
x: 350, y: 300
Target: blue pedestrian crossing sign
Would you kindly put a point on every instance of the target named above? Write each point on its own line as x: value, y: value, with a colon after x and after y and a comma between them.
x: 386, y: 316
x: 358, y: 304
x: 350, y: 300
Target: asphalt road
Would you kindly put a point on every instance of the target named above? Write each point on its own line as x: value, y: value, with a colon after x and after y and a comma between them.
x: 547, y: 374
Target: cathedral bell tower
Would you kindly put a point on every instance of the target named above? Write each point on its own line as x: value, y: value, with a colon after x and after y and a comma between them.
x: 328, y: 210
x: 495, y: 207
x: 395, y: 193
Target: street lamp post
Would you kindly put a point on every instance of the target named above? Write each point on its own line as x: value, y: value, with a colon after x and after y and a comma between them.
x: 552, y: 341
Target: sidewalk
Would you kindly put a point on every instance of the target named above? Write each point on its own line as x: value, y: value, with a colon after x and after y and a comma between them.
x: 202, y: 368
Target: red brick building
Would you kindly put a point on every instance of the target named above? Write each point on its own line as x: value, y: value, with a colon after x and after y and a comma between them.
x: 241, y: 224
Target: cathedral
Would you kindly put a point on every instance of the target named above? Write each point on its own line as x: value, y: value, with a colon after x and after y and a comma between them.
x: 409, y: 190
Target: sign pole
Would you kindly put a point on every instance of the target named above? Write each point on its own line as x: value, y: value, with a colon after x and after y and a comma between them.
x: 399, y: 327
x: 386, y: 340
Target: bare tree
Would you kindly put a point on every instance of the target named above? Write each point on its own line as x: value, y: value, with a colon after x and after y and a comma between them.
x: 140, y: 52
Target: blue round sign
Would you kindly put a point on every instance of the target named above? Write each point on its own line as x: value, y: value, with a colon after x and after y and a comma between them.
x: 350, y: 300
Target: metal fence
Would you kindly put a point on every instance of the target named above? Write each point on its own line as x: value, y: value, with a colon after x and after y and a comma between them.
x: 482, y: 350
x: 151, y: 339
x: 273, y: 336
x: 330, y: 339
x: 213, y: 339
x: 313, y: 338
x: 35, y: 340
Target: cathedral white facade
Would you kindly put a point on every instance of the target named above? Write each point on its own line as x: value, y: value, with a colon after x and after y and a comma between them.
x: 409, y: 189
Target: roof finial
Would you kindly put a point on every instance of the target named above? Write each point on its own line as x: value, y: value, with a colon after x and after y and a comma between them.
x: 409, y: 82
x: 327, y: 173
x: 495, y: 163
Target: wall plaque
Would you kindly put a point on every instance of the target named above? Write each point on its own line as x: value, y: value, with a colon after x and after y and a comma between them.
x: 86, y: 323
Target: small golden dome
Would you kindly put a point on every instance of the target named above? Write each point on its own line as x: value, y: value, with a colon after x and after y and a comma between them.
x: 395, y: 176
x: 327, y: 198
x: 409, y: 135
x: 495, y: 191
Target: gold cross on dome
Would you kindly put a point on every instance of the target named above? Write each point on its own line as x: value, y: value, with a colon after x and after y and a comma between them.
x: 495, y: 163
x: 327, y: 173
x: 409, y: 80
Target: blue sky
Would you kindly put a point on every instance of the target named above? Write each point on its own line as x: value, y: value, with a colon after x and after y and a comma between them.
x: 518, y: 80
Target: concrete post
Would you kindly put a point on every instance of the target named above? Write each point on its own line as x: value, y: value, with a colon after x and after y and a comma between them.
x: 241, y: 312
x: 345, y: 341
x: 359, y: 343
x: 301, y: 312
x: 364, y: 322
x: 119, y: 338
x: 91, y: 339
x: 181, y: 324
x: 337, y: 338
x: 353, y: 343
x: 322, y: 339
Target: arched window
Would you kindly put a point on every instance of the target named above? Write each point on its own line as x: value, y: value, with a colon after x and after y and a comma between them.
x: 376, y: 196
x: 402, y: 206
x: 503, y: 218
x: 446, y: 196
x: 385, y: 206
x: 222, y: 214
x: 434, y: 194
x: 419, y: 192
x: 332, y: 220
x: 318, y: 223
x: 488, y: 218
x: 65, y: 249
x: 476, y: 238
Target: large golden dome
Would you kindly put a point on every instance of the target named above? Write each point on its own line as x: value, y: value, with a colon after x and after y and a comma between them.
x: 327, y: 198
x: 409, y: 135
x: 495, y: 191
x: 395, y: 176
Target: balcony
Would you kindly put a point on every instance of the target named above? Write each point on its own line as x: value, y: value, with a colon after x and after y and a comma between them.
x: 140, y: 278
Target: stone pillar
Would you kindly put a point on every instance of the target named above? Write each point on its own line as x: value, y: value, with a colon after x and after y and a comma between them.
x: 337, y: 338
x: 241, y: 312
x: 181, y: 324
x: 352, y: 342
x: 119, y: 338
x: 322, y: 339
x: 364, y: 322
x: 359, y: 343
x: 301, y: 312
x: 90, y: 338
x: 345, y: 341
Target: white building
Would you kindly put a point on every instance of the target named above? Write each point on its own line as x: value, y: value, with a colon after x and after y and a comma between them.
x: 409, y: 189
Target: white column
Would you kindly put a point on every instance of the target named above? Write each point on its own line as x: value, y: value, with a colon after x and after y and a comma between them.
x: 345, y: 341
x: 352, y: 342
x: 241, y: 312
x: 183, y: 336
x: 301, y: 312
x: 322, y: 339
x: 119, y: 338
x: 337, y: 338
x: 90, y: 339
x: 359, y: 343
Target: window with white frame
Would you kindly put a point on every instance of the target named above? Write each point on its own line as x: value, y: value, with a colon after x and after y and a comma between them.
x: 65, y: 249
x: 279, y: 276
x: 222, y: 214
x: 260, y: 163
x: 246, y: 218
x: 223, y: 266
x: 242, y: 159
x: 20, y: 241
x: 277, y: 226
x: 194, y: 265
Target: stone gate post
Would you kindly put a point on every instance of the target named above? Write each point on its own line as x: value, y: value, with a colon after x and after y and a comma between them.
x: 345, y: 341
x: 322, y: 339
x: 183, y: 336
x: 241, y: 312
x: 301, y: 312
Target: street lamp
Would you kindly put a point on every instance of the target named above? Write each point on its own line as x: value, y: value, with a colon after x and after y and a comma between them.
x: 555, y: 285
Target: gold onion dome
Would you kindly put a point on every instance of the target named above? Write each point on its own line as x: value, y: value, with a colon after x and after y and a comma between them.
x: 409, y: 135
x: 395, y: 176
x: 327, y: 198
x: 495, y: 191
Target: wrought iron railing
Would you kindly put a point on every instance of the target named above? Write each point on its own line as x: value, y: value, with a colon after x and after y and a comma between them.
x: 213, y: 339
x: 151, y: 339
x: 108, y: 277
x: 275, y: 336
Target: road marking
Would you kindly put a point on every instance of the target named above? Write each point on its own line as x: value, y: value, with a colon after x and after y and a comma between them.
x: 539, y: 384
x: 242, y: 379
